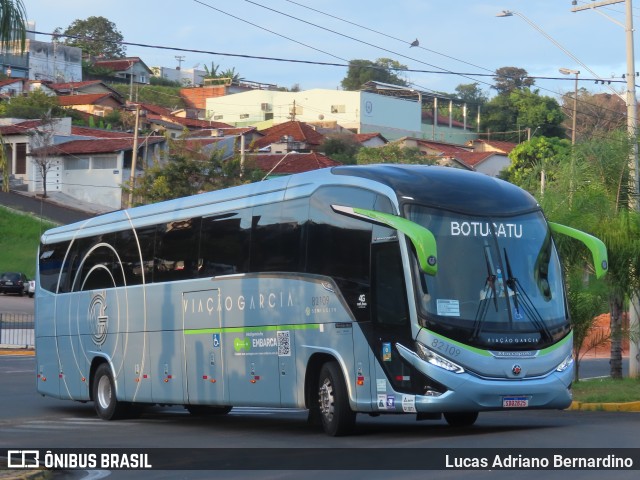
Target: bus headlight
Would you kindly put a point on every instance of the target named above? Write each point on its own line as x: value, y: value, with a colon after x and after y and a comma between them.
x: 566, y: 363
x: 433, y: 358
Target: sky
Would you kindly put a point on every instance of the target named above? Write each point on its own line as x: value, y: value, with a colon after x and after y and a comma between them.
x: 460, y: 41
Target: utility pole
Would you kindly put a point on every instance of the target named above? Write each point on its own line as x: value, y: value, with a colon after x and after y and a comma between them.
x: 134, y: 157
x: 632, y: 125
x: 180, y: 59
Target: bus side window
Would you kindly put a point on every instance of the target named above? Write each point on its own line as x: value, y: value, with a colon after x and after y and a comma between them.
x: 224, y: 244
x: 176, y: 250
x: 277, y: 237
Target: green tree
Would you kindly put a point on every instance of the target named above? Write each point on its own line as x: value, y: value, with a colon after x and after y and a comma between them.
x: 471, y: 93
x: 32, y: 106
x: 529, y: 159
x: 392, y: 153
x: 507, y: 116
x: 382, y: 70
x: 509, y: 79
x: 13, y: 22
x: 585, y: 300
x: 590, y: 193
x: 188, y: 172
x: 96, y: 36
x: 341, y: 148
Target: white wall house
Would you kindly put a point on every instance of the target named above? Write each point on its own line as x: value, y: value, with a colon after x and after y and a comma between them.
x: 187, y: 77
x: 361, y: 112
x: 49, y: 61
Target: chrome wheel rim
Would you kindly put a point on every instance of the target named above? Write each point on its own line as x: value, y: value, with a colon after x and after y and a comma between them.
x: 104, y: 392
x: 326, y: 399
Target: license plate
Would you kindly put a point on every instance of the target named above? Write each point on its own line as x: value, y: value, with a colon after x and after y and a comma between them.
x: 515, y: 402
x: 9, y: 283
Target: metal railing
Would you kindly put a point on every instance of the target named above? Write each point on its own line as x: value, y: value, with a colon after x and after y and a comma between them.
x: 16, y: 330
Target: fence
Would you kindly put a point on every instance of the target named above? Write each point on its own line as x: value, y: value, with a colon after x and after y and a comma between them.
x: 16, y: 330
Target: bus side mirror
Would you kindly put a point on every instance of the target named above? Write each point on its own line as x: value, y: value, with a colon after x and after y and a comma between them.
x: 422, y: 239
x: 595, y: 245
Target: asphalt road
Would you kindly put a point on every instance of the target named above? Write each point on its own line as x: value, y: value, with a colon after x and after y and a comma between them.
x: 56, y: 213
x: 28, y: 420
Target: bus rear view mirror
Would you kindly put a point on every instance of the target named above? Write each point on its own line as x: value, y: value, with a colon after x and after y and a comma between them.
x: 422, y: 239
x: 595, y: 245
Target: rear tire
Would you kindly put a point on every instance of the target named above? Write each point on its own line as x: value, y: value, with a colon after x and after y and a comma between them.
x: 104, y: 395
x: 337, y: 417
x: 461, y: 419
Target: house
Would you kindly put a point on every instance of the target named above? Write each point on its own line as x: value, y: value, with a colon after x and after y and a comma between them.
x: 289, y: 136
x: 479, y: 145
x: 277, y: 164
x: 392, y: 116
x: 132, y: 69
x: 488, y: 162
x: 98, y: 104
x: 184, y: 76
x: 85, y: 163
x: 11, y: 87
x: 16, y: 134
x: 370, y: 139
x: 50, y: 61
x: 175, y: 126
x: 79, y: 88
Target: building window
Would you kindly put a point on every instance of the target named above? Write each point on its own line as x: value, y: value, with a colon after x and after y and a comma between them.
x: 244, y: 115
x: 104, y: 163
x: 338, y: 109
x: 218, y: 117
x: 77, y: 164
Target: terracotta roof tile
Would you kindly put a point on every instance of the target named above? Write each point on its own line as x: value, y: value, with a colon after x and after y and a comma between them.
x: 103, y: 145
x: 299, y: 131
x: 20, y: 128
x: 85, y: 99
x: 294, y: 163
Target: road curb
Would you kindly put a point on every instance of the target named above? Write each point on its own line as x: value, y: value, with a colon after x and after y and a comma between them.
x: 606, y: 407
x: 30, y: 352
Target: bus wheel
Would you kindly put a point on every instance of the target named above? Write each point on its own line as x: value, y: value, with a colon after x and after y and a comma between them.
x: 336, y: 414
x: 207, y: 410
x: 461, y: 419
x: 104, y: 395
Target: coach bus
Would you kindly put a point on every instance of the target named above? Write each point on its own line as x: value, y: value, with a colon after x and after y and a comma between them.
x: 381, y: 289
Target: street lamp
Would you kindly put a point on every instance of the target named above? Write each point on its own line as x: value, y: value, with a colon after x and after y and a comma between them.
x: 568, y: 71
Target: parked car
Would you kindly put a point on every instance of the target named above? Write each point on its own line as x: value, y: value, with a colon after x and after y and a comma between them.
x: 14, y: 282
x: 32, y: 288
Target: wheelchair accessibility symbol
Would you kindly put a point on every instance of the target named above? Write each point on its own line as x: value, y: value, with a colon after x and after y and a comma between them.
x: 216, y: 339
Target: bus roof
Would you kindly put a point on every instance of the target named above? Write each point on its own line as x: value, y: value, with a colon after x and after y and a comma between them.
x: 440, y: 187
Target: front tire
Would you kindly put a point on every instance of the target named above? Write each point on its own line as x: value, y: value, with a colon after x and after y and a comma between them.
x: 461, y: 419
x: 335, y: 413
x: 104, y: 395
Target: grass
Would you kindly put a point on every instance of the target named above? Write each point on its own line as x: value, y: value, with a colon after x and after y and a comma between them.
x: 20, y: 236
x: 607, y: 390
x: 19, y: 239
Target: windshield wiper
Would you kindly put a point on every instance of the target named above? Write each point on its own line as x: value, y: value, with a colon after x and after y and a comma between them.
x: 489, y: 290
x: 527, y: 305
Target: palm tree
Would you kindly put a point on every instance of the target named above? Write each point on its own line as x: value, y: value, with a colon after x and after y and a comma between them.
x: 13, y: 23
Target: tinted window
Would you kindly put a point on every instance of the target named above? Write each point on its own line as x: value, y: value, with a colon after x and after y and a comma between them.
x: 339, y: 246
x: 176, y: 250
x: 136, y: 252
x: 277, y: 237
x: 224, y: 244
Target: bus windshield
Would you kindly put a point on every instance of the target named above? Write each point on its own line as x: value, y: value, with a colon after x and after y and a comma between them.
x: 499, y: 282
